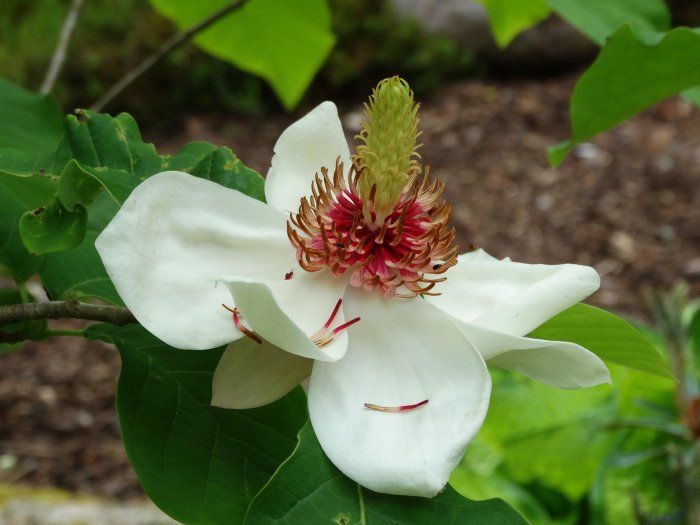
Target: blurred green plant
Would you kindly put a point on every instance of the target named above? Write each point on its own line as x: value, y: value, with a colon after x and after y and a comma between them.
x: 622, y: 454
x: 642, y: 60
x: 374, y: 42
x: 113, y: 36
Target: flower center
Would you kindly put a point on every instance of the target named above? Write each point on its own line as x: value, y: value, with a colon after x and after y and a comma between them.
x: 398, y: 254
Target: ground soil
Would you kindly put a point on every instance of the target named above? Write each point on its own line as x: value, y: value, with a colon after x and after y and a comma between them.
x: 627, y: 204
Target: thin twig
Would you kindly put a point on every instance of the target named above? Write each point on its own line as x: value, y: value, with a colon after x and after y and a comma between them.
x: 59, y: 55
x: 164, y: 49
x: 16, y: 313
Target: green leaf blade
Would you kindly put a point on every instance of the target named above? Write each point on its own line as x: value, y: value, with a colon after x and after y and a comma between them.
x: 52, y: 228
x: 598, y: 19
x: 606, y: 335
x: 307, y: 488
x: 283, y: 42
x: 508, y: 19
x: 199, y: 463
x: 631, y: 73
x: 28, y: 122
x: 17, y: 196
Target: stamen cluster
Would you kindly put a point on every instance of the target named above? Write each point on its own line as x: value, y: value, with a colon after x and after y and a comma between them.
x: 398, y: 254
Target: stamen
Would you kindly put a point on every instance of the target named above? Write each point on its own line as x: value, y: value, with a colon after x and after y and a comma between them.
x: 333, y: 314
x: 323, y: 336
x: 289, y: 275
x: 401, y: 408
x: 239, y: 324
x: 397, y: 252
x: 343, y: 326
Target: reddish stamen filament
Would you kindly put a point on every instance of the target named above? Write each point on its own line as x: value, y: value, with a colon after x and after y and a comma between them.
x: 333, y: 314
x: 239, y: 324
x: 322, y: 337
x: 401, y: 408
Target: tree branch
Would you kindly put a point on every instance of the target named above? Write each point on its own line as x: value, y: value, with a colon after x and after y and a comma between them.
x: 59, y: 55
x: 16, y: 313
x: 165, y: 48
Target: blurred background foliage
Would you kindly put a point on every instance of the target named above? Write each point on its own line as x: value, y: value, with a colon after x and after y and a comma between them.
x: 114, y: 35
x: 616, y: 454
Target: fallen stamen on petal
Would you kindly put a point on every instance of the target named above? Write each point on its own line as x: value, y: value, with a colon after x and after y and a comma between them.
x: 401, y: 408
x: 289, y: 275
x: 343, y: 326
x: 333, y: 314
x: 239, y: 324
x: 323, y: 336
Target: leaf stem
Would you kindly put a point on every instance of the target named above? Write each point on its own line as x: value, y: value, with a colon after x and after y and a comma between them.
x: 23, y: 294
x: 165, y: 48
x: 16, y: 313
x: 59, y: 55
x: 361, y: 497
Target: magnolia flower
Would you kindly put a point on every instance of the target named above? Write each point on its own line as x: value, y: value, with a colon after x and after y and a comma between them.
x: 349, y: 275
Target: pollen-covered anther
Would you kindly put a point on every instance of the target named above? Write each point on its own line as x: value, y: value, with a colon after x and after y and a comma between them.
x: 238, y: 322
x: 400, y: 254
x: 400, y: 408
x: 325, y: 334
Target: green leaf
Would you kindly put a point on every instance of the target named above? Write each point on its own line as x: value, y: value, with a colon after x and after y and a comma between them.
x: 283, y: 42
x: 307, y: 488
x: 219, y: 165
x: 598, y: 19
x: 17, y: 196
x: 28, y: 122
x: 508, y: 19
x: 629, y: 75
x: 200, y: 464
x: 101, y: 152
x: 78, y: 273
x: 77, y: 186
x: 52, y: 228
x: 110, y: 153
x: 24, y: 163
x: 609, y: 337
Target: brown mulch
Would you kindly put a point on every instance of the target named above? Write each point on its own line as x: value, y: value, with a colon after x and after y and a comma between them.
x: 628, y: 204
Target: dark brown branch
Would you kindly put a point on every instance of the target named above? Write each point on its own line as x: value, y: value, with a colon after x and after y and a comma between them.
x: 165, y: 48
x: 16, y: 313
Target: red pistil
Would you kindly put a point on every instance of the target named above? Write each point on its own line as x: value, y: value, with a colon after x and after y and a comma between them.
x: 401, y: 408
x: 237, y: 321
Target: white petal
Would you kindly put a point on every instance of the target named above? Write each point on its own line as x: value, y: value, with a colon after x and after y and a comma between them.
x: 288, y: 312
x: 402, y: 352
x: 509, y: 297
x: 556, y: 363
x: 171, y: 236
x: 250, y: 375
x: 313, y: 141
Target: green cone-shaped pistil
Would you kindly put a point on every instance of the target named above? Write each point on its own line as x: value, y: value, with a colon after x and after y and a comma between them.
x: 387, y: 158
